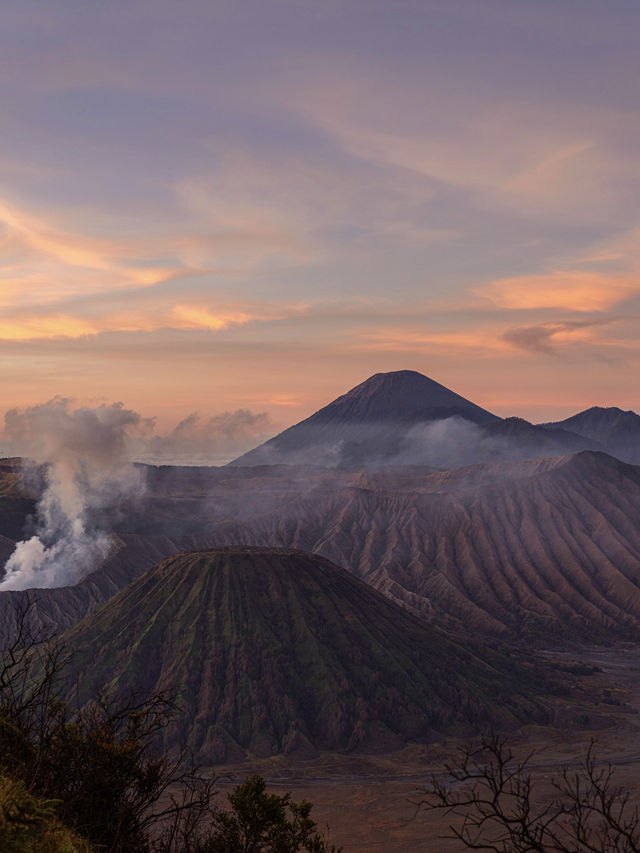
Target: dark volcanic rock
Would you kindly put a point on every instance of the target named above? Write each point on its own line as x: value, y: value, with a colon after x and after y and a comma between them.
x: 17, y: 503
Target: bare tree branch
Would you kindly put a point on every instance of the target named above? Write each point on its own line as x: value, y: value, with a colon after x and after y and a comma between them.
x: 491, y: 795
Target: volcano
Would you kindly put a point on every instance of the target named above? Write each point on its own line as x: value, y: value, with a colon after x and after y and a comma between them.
x: 405, y: 418
x: 279, y: 651
x: 369, y: 422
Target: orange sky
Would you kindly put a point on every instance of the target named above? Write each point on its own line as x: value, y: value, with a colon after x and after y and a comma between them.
x: 210, y: 207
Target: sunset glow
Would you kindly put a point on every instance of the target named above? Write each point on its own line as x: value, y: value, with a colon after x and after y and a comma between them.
x: 211, y: 207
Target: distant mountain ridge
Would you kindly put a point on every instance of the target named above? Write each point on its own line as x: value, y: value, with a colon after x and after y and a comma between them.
x: 403, y: 418
x: 618, y: 431
x: 545, y: 548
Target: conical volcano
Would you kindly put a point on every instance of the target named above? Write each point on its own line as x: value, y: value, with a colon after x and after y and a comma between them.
x: 369, y: 423
x: 278, y: 651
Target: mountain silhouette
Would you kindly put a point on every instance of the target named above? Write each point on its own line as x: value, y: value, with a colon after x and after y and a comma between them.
x: 369, y: 422
x: 405, y: 418
x: 616, y: 430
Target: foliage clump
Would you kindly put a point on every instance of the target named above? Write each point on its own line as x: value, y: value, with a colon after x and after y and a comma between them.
x: 259, y: 822
x: 28, y: 824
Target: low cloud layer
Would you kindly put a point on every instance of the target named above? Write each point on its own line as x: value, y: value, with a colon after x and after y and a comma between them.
x: 442, y: 444
x: 206, y: 441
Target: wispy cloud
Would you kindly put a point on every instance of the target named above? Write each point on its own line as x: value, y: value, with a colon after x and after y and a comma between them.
x: 50, y: 327
x: 57, y: 282
x: 55, y: 263
x: 94, y: 319
x: 537, y: 159
x: 55, y: 326
x: 200, y: 441
x: 552, y: 338
x: 480, y: 342
x: 575, y: 290
x: 200, y: 317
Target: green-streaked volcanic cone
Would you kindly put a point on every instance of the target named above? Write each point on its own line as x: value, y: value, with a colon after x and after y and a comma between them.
x: 275, y: 650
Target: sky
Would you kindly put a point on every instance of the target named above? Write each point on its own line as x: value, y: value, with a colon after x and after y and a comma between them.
x: 251, y: 206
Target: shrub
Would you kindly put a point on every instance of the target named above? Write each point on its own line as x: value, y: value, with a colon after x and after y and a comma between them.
x: 29, y: 825
x: 259, y: 822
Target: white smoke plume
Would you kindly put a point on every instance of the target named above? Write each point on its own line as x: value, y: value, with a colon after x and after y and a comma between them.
x: 86, y: 457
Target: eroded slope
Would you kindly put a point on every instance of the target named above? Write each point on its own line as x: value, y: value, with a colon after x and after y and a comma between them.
x: 280, y: 651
